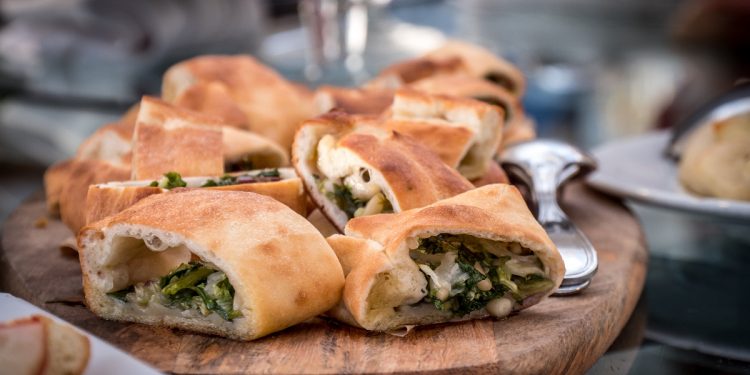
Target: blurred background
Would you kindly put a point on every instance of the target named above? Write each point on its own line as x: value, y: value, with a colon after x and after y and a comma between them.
x: 598, y: 70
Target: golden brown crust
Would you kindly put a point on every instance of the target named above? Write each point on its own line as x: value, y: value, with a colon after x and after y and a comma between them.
x: 281, y: 268
x: 214, y: 99
x: 494, y: 175
x: 412, y: 70
x: 111, y: 142
x: 83, y: 173
x: 105, y: 200
x: 421, y: 116
x: 480, y: 63
x: 450, y: 143
x: 411, y: 175
x: 259, y: 92
x: 352, y: 100
x: 518, y: 127
x: 168, y: 138
x: 496, y: 212
x: 716, y: 159
x: 55, y: 178
x: 415, y: 176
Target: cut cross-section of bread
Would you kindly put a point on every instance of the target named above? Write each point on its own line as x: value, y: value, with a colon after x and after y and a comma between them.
x: 478, y: 254
x: 235, y: 264
x: 352, y: 167
x: 104, y: 200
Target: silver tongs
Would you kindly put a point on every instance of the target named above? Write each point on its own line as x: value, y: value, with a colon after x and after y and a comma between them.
x: 543, y: 166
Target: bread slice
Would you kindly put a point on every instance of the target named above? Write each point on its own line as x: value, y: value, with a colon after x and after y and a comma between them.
x: 104, y: 200
x: 39, y: 345
x: 280, y: 268
x: 22, y: 346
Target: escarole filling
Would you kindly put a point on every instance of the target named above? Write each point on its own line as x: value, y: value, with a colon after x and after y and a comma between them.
x: 193, y: 286
x: 467, y: 273
x: 348, y: 186
x: 173, y: 180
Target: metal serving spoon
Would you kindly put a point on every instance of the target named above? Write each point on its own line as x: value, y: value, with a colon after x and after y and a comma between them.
x: 543, y: 166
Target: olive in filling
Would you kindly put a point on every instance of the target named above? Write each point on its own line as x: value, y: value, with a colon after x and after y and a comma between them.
x: 192, y: 286
x: 501, y: 80
x: 467, y: 273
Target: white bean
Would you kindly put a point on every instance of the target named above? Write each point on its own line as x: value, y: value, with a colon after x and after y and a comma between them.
x: 484, y: 285
x: 499, y: 307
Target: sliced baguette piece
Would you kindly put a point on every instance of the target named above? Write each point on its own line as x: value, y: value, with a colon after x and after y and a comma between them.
x: 40, y: 345
x: 22, y: 346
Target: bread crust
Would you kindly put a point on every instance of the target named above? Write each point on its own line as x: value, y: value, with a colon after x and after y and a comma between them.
x: 104, y: 200
x: 480, y: 62
x: 716, y: 159
x: 282, y: 270
x: 273, y: 107
x: 168, y: 138
x: 414, y: 177
x: 380, y: 244
x: 81, y: 174
x: 55, y: 178
x: 369, y: 101
x: 518, y: 127
x: 465, y: 132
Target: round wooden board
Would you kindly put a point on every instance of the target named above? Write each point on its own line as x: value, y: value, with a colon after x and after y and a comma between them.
x: 561, y: 335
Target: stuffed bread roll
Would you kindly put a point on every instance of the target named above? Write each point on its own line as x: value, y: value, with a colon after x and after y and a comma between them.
x: 518, y: 127
x: 478, y: 254
x: 413, y: 70
x: 282, y: 184
x: 465, y: 132
x: 235, y: 264
x: 351, y: 168
x: 482, y: 63
x: 716, y: 159
x: 273, y: 107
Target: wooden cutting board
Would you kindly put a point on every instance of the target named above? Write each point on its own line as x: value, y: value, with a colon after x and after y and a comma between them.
x: 561, y: 335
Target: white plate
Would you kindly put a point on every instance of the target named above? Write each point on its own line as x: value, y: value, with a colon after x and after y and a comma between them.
x: 637, y: 168
x: 104, y: 359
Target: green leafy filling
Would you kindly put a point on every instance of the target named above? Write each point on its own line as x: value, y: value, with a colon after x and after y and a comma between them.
x: 466, y: 296
x: 191, y: 286
x: 342, y: 196
x: 262, y: 176
x: 170, y: 181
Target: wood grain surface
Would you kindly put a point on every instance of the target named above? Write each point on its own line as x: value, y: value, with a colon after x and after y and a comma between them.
x: 561, y: 335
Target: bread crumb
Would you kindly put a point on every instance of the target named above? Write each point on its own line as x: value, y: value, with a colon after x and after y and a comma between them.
x: 41, y: 222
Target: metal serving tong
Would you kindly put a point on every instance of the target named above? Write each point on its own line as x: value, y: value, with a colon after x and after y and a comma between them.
x: 544, y: 166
